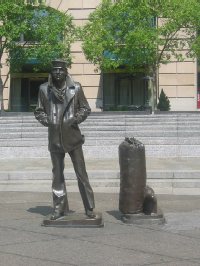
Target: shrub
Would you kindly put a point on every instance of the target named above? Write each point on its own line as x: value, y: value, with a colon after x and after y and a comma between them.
x: 164, y: 103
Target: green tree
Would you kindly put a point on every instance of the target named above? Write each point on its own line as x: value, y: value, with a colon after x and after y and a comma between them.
x: 164, y: 103
x: 141, y: 35
x: 33, y: 33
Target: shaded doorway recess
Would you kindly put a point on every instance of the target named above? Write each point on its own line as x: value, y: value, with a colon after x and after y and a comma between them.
x: 121, y: 91
x: 24, y: 93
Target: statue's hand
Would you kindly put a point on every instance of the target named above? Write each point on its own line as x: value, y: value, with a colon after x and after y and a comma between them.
x: 72, y: 121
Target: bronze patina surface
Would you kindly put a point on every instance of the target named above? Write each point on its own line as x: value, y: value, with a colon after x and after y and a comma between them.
x: 76, y: 220
x: 137, y: 201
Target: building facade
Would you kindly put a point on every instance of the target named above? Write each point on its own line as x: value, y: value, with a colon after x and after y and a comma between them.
x: 179, y: 80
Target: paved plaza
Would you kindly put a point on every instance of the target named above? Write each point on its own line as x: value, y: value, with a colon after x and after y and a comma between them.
x: 25, y: 200
x: 24, y: 242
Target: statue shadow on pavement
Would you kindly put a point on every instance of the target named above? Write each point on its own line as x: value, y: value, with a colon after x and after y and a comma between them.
x: 43, y: 210
x: 116, y: 214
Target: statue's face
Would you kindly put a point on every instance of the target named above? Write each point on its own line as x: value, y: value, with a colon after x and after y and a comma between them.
x: 58, y: 74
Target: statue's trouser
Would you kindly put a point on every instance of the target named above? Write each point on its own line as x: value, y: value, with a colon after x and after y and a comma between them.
x: 60, y: 200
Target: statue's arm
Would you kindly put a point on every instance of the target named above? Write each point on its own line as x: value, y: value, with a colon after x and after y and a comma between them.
x: 40, y: 112
x: 83, y: 109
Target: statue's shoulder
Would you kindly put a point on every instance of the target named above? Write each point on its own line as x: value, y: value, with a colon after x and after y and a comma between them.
x: 77, y: 85
x: 44, y: 88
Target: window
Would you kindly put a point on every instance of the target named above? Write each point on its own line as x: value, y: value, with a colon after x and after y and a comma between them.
x: 35, y: 2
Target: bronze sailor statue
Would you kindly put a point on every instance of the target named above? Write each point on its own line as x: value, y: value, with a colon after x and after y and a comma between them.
x: 62, y: 106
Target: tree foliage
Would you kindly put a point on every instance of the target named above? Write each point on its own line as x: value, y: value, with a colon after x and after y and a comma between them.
x: 142, y: 34
x: 45, y: 34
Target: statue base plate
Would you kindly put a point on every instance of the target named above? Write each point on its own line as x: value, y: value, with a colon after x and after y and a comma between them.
x: 76, y: 220
x: 144, y: 219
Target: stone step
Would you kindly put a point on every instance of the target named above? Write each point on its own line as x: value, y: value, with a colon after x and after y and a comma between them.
x: 114, y: 118
x: 109, y: 126
x: 166, y: 187
x: 100, y: 143
x: 162, y: 135
x: 154, y: 175
x: 105, y: 134
x: 103, y: 151
x: 90, y: 142
x: 95, y: 130
x: 107, y: 181
x: 24, y: 142
x: 104, y: 126
x: 107, y: 140
x: 169, y: 176
x: 117, y: 121
x: 160, y: 127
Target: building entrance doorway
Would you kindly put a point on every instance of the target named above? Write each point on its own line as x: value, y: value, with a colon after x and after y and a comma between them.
x: 123, y: 91
x: 24, y: 93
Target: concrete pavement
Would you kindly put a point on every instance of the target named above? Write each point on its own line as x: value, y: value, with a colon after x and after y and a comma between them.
x: 24, y: 242
x: 25, y: 200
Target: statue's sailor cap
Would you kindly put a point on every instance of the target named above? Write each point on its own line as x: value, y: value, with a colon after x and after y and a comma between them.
x: 59, y: 63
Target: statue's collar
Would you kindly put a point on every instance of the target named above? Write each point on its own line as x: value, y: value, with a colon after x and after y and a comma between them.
x: 69, y: 81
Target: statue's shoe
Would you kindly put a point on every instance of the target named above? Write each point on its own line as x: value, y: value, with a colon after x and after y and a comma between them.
x: 56, y: 215
x: 90, y: 213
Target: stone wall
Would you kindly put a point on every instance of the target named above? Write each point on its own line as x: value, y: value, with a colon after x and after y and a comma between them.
x: 179, y: 81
